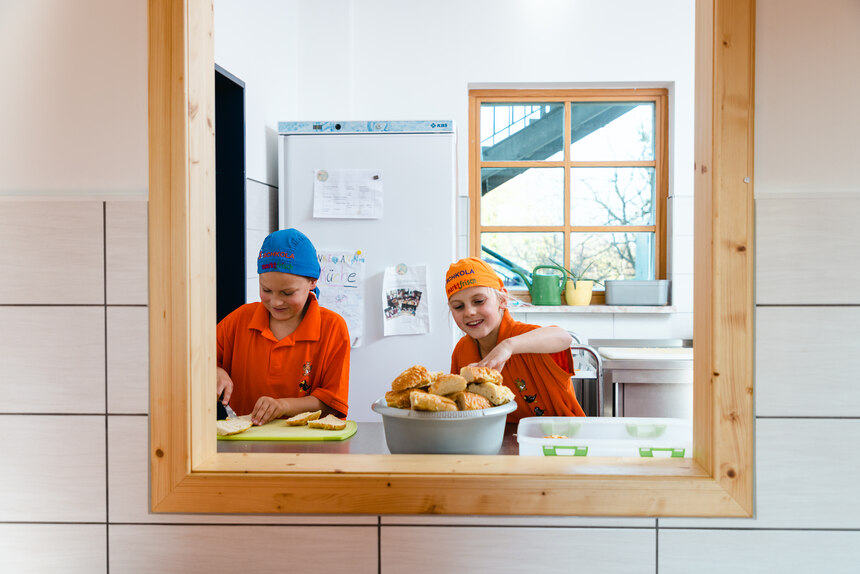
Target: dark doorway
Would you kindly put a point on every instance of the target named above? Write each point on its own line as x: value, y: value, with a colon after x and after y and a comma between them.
x: 229, y: 191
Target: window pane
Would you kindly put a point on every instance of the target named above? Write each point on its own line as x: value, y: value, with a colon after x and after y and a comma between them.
x: 612, y: 195
x: 612, y: 131
x: 522, y: 132
x: 522, y: 196
x: 527, y: 250
x: 613, y: 255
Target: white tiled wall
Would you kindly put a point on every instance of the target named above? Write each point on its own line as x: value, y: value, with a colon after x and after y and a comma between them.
x: 74, y: 397
x: 80, y: 433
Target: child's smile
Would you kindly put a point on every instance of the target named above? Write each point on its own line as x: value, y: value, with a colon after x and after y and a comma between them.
x: 476, y: 311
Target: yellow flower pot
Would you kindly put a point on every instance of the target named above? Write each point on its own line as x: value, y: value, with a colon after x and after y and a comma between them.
x: 579, y: 295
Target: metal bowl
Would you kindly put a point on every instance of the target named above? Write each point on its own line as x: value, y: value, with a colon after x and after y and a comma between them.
x: 453, y: 432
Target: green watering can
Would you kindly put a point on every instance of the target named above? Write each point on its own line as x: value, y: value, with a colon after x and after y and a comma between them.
x: 545, y: 289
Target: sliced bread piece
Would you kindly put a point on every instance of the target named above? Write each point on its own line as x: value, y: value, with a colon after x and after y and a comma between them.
x: 447, y: 384
x: 496, y: 394
x: 230, y: 426
x: 328, y: 422
x: 429, y: 402
x: 481, y: 375
x: 302, y: 419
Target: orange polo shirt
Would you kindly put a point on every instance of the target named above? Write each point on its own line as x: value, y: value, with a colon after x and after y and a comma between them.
x: 313, y: 360
x: 540, y: 381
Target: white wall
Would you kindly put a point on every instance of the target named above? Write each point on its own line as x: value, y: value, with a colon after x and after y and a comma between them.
x: 380, y: 59
x: 87, y: 413
x: 74, y: 115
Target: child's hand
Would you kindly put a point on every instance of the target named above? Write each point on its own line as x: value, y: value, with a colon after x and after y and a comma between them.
x: 225, y: 386
x: 497, y: 358
x: 266, y: 409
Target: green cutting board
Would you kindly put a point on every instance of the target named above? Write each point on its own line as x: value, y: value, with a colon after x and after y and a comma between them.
x: 277, y: 430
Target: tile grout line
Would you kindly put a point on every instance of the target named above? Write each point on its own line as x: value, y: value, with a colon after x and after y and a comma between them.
x: 656, y: 546
x: 107, y: 457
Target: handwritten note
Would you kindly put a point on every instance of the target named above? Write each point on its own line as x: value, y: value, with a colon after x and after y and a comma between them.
x: 348, y: 193
x: 341, y: 285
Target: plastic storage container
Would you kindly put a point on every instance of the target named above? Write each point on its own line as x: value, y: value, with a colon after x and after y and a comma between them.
x: 456, y: 432
x: 635, y: 292
x: 619, y: 436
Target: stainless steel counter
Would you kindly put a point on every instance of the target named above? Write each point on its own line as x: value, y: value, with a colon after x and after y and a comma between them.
x: 652, y: 385
x: 368, y: 439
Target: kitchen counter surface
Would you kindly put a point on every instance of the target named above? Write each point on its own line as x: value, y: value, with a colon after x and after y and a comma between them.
x: 368, y: 439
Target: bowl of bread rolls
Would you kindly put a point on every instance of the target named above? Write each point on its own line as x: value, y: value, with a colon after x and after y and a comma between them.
x: 428, y: 412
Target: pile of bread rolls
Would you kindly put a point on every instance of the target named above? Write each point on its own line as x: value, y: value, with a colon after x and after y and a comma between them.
x: 474, y: 388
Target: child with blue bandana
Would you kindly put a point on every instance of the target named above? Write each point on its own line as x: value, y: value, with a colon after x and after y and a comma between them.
x: 284, y: 355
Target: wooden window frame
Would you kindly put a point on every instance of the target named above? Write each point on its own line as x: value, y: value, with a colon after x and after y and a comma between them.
x: 658, y: 96
x: 189, y: 475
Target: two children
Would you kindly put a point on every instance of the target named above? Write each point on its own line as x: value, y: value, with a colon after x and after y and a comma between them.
x: 287, y: 355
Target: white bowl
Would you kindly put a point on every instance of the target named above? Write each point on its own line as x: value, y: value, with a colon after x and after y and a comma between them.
x: 453, y: 432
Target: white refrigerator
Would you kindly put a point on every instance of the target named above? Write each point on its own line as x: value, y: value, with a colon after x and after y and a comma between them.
x: 413, y: 224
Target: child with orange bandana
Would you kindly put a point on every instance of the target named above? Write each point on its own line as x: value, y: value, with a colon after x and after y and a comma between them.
x: 284, y: 355
x: 535, y: 362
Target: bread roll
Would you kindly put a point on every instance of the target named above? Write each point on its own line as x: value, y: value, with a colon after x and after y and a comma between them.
x: 481, y: 375
x: 328, y: 422
x: 411, y: 378
x: 467, y: 401
x: 302, y: 419
x: 422, y: 401
x: 496, y: 394
x: 447, y: 384
x: 398, y: 399
x: 229, y: 427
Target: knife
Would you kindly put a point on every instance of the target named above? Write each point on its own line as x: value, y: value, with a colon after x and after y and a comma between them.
x: 224, y: 411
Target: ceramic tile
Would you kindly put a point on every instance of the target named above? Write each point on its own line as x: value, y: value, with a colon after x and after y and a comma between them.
x: 682, y: 216
x: 681, y: 257
x: 197, y: 548
x: 805, y: 249
x: 71, y: 548
x: 657, y: 326
x: 59, y: 470
x: 807, y: 361
x: 682, y: 292
x: 126, y: 252
x: 757, y: 552
x: 51, y: 252
x: 258, y: 206
x: 489, y: 549
x: 72, y: 380
x: 128, y: 360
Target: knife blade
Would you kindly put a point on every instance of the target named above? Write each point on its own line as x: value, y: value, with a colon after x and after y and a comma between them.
x: 230, y: 412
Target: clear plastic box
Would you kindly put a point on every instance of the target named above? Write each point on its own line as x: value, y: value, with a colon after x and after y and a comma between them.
x: 611, y: 436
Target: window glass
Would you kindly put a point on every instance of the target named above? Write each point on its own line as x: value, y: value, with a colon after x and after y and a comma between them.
x: 522, y: 196
x: 612, y: 131
x: 612, y: 195
x: 507, y: 251
x: 613, y: 255
x: 522, y: 131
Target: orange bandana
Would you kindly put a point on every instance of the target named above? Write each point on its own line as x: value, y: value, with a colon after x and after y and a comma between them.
x: 471, y: 272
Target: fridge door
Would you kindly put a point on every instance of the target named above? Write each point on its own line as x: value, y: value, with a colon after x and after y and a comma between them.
x: 417, y: 227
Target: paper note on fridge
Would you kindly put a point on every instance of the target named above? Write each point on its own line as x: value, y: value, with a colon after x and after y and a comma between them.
x: 341, y: 285
x: 348, y: 193
x: 405, y: 305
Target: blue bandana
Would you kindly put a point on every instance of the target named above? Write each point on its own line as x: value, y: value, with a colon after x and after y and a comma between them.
x: 289, y: 251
